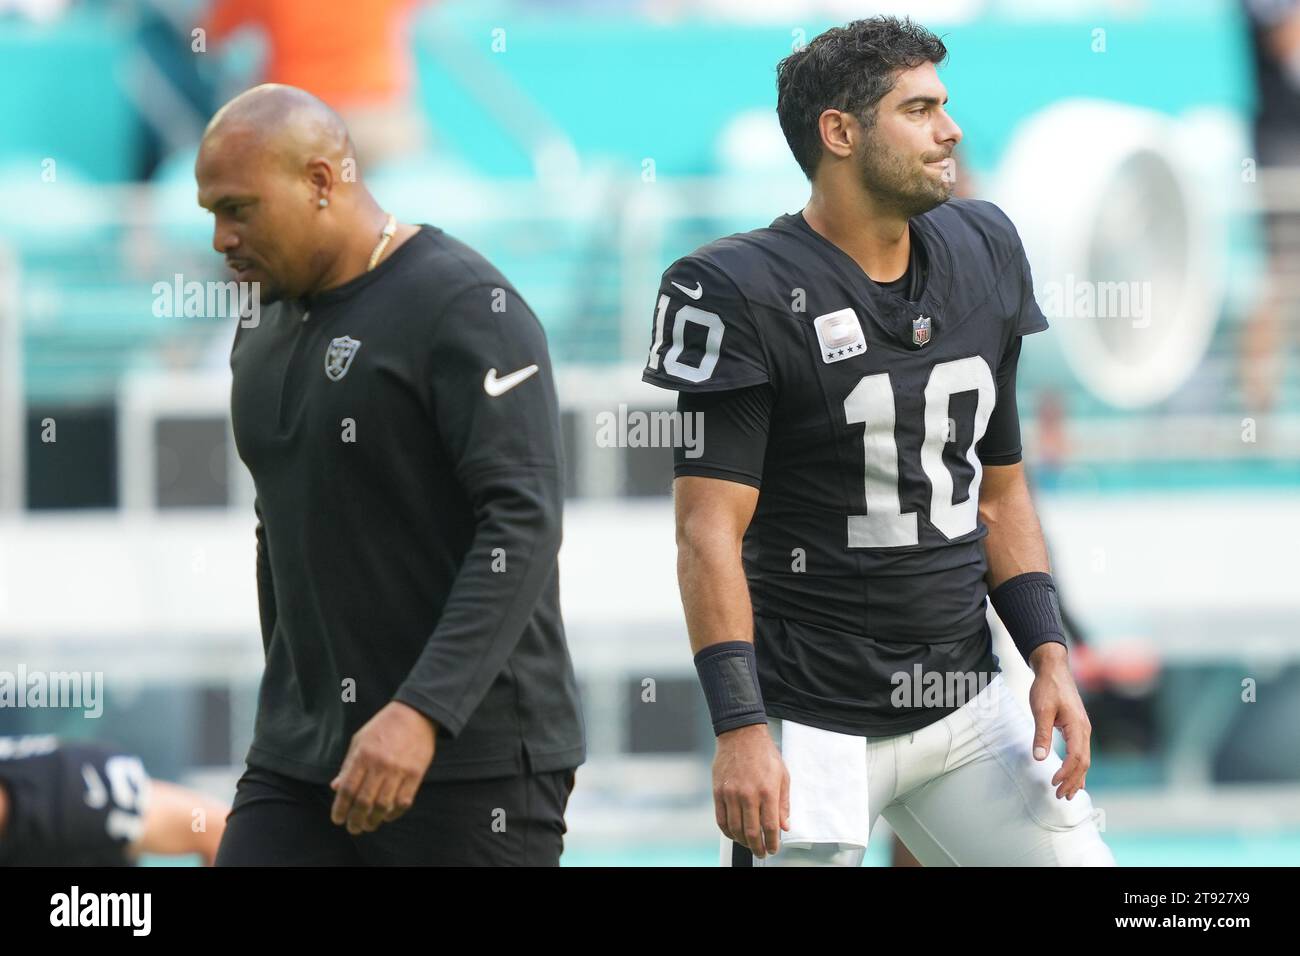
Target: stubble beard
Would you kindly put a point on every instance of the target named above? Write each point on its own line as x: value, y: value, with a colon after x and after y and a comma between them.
x: 901, y: 183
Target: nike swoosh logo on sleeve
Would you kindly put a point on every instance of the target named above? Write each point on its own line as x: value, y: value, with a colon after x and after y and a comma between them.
x: 693, y: 293
x: 499, y: 386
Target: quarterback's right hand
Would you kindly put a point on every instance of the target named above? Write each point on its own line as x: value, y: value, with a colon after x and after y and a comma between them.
x: 751, y: 789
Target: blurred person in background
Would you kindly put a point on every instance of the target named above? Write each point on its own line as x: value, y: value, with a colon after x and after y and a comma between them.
x: 1275, y: 48
x: 73, y: 804
x: 354, y: 56
x: 395, y: 406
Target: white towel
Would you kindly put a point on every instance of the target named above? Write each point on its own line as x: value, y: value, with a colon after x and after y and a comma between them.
x: 828, y: 785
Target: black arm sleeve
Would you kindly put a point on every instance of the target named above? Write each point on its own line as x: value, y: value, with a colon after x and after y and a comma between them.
x: 507, y: 453
x: 265, y: 583
x: 733, y: 429
x: 1001, y: 442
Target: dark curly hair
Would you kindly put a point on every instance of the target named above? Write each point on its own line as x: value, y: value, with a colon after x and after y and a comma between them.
x: 849, y: 68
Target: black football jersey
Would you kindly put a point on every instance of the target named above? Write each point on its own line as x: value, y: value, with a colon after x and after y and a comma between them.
x: 69, y: 804
x: 864, y: 556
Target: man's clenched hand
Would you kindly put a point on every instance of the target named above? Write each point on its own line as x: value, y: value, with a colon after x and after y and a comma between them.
x: 385, y: 765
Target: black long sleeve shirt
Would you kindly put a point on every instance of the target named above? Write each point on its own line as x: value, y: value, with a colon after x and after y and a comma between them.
x: 409, y: 494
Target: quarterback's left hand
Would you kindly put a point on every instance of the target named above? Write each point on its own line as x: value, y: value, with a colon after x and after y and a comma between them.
x: 1054, y: 702
x: 384, y: 767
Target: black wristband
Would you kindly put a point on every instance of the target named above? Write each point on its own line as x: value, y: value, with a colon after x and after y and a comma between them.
x: 729, y: 675
x: 1028, y: 606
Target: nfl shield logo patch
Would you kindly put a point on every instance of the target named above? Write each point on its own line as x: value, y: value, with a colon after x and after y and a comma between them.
x: 920, y: 330
x: 338, y: 357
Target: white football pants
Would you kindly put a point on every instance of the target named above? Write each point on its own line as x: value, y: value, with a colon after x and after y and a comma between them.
x: 965, y: 791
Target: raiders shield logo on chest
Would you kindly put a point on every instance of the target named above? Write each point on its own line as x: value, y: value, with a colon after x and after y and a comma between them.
x: 338, y: 357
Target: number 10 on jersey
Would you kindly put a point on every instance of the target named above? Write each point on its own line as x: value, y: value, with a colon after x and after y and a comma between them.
x: 871, y: 403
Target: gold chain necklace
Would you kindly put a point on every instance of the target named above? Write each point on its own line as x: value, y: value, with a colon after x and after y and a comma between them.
x: 390, y: 228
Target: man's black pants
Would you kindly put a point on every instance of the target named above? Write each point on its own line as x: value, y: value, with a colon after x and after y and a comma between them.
x: 506, y: 821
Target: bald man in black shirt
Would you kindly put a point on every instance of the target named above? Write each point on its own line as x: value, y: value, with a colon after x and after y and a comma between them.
x: 393, y: 399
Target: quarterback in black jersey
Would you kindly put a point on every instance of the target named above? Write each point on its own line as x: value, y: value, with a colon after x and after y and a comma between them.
x: 860, y: 495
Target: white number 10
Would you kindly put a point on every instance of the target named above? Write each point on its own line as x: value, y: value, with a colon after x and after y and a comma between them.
x: 871, y: 403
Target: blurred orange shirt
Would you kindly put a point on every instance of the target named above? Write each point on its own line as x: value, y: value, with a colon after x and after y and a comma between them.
x: 347, y: 53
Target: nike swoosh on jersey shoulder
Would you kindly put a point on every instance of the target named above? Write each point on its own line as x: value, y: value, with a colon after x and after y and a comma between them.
x: 731, y: 265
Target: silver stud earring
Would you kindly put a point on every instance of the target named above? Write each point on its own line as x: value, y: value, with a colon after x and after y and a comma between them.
x: 324, y: 202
